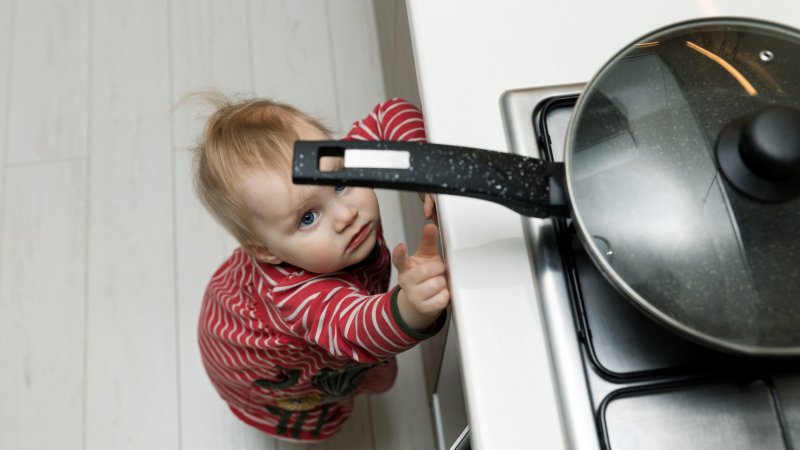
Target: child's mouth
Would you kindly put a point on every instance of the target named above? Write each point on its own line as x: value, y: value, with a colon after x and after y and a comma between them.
x: 359, y: 238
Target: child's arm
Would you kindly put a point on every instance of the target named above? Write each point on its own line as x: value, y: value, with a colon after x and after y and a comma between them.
x: 395, y: 120
x: 424, y: 293
x: 392, y: 120
x: 335, y: 312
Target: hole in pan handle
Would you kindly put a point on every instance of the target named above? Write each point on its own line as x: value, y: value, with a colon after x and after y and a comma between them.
x: 529, y: 186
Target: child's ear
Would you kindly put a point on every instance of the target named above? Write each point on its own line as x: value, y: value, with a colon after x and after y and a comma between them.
x: 262, y: 254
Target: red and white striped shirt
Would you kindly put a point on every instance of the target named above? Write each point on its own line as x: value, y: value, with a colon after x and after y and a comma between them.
x: 289, y: 349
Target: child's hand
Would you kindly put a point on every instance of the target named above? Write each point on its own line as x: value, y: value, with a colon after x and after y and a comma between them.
x: 423, y: 286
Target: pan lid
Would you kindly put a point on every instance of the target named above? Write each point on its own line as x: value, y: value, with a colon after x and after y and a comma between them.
x: 683, y: 167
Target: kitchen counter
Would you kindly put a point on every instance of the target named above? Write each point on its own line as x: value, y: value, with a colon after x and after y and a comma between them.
x: 467, y: 54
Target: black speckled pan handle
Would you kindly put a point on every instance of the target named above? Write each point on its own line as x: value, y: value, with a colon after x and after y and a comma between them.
x: 528, y: 186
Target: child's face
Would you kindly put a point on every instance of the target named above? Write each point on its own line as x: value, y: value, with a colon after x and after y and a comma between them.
x: 321, y: 229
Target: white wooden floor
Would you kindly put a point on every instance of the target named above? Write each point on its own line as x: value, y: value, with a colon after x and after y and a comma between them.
x: 105, y: 250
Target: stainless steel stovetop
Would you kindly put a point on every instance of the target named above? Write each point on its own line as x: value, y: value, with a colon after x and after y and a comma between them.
x: 622, y: 380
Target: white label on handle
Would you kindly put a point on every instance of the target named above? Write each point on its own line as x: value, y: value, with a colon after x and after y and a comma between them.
x: 376, y: 159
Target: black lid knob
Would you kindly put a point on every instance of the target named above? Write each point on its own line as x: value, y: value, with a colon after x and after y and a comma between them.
x: 770, y: 143
x: 760, y: 154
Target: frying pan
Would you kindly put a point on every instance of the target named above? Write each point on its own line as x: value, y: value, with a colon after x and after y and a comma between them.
x: 682, y: 160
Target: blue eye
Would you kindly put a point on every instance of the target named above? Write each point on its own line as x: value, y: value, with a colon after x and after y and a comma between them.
x: 339, y: 188
x: 308, y: 219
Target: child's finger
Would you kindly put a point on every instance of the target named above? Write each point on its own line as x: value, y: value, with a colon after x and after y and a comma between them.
x: 428, y: 206
x: 429, y: 243
x: 400, y: 257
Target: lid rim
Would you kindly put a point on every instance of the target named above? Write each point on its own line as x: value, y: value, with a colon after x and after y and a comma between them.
x: 724, y: 344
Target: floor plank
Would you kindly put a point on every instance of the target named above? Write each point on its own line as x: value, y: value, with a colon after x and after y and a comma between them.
x: 357, y: 432
x: 210, y: 48
x: 6, y: 44
x: 42, y: 291
x: 49, y: 80
x: 132, y: 370
x: 401, y: 417
x: 291, y: 56
x: 356, y: 58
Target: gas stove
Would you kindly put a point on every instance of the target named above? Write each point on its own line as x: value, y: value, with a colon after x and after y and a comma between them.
x: 623, y: 381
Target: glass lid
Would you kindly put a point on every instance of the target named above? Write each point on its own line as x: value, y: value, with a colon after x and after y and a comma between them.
x: 710, y: 247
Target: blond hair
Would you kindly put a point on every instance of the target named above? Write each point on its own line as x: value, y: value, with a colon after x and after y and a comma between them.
x: 239, y: 137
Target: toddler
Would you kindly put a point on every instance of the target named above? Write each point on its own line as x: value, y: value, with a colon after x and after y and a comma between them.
x: 299, y: 319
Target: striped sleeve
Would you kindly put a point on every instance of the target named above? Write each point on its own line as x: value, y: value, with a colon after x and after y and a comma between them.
x: 392, y: 120
x: 334, y: 312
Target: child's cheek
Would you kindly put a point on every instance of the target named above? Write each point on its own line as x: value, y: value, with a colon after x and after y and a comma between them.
x: 319, y: 255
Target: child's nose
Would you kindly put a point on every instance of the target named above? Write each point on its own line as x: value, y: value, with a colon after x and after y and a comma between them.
x: 345, y: 216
